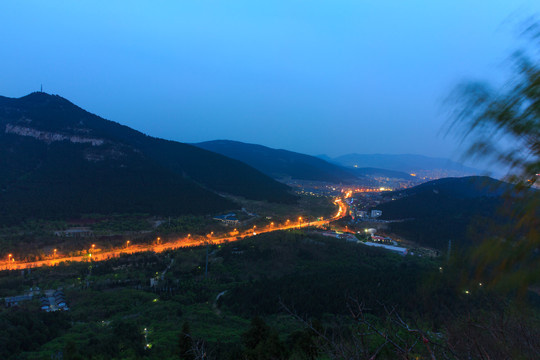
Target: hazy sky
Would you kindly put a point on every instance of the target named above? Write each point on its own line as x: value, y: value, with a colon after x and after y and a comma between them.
x: 311, y: 76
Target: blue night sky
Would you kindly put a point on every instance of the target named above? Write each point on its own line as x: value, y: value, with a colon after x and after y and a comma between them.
x: 313, y: 76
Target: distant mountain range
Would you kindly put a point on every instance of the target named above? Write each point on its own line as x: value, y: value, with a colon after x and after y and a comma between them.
x: 417, y: 164
x: 281, y: 164
x: 353, y: 168
x: 59, y: 160
x: 449, y: 209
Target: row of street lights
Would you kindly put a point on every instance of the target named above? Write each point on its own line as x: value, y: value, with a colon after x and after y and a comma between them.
x: 11, y: 259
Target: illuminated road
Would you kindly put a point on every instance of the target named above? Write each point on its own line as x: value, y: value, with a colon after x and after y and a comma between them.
x: 95, y: 255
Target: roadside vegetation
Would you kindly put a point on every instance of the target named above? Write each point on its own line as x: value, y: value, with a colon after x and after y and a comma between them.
x: 36, y: 239
x: 281, y: 295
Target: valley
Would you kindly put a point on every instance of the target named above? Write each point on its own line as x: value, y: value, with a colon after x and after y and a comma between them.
x: 117, y: 245
x: 276, y: 180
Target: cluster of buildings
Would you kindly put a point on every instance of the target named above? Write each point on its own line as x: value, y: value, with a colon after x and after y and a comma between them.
x: 382, y: 240
x: 358, y: 209
x: 376, y: 241
x: 362, y: 206
x: 51, y: 300
x: 365, y: 215
x: 75, y: 232
x: 229, y: 219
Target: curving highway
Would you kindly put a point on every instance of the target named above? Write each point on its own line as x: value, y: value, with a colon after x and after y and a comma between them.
x: 92, y: 255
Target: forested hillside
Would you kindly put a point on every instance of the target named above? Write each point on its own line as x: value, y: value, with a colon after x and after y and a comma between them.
x: 450, y: 209
x: 58, y: 160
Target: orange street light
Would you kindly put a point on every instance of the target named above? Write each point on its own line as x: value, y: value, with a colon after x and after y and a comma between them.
x: 54, y: 254
x: 127, y: 243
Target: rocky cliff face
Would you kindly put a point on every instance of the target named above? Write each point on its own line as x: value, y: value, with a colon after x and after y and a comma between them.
x: 50, y: 137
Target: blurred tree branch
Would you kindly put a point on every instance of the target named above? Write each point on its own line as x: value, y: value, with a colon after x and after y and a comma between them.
x: 504, y: 126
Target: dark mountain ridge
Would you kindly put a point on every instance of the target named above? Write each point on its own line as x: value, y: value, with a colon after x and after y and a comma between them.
x: 462, y: 187
x: 279, y: 163
x: 59, y: 159
x: 449, y: 209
